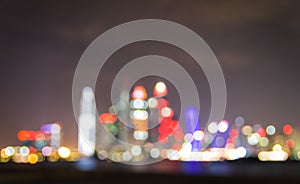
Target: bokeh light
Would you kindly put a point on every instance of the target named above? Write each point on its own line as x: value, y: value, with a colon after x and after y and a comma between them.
x: 9, y: 151
x: 152, y: 102
x: 198, y: 135
x: 253, y: 139
x: 239, y: 121
x: 247, y: 129
x: 271, y: 130
x: 154, y: 153
x: 160, y: 89
x: 24, y: 151
x: 64, y: 152
x: 139, y: 92
x: 287, y: 129
x: 167, y: 112
x: 46, y: 151
x: 213, y: 127
x: 108, y: 118
x: 136, y: 150
x: 223, y: 126
x: 33, y: 158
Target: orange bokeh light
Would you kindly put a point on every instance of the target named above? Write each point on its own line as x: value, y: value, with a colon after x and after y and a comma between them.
x: 108, y: 118
x: 139, y: 92
x: 23, y: 135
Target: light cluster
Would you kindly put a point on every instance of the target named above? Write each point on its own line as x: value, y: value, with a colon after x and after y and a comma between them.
x: 155, y: 134
x: 220, y: 140
x: 38, y: 146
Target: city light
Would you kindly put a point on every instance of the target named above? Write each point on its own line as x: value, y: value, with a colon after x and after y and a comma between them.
x: 222, y: 139
x: 87, y: 123
x: 160, y: 89
x: 139, y: 92
x: 64, y: 152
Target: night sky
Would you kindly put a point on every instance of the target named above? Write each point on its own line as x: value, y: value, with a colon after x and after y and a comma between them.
x: 256, y: 42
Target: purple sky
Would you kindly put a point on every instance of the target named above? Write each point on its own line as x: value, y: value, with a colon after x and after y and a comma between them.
x: 256, y: 42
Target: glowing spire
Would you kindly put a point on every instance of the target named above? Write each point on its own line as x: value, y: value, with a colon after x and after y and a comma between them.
x: 87, y: 123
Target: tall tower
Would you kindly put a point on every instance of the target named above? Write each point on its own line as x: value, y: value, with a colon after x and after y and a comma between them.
x: 87, y: 123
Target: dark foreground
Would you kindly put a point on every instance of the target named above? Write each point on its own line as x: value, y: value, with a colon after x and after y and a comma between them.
x: 241, y: 171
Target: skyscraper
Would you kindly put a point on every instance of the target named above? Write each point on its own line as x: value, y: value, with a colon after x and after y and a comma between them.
x: 87, y: 123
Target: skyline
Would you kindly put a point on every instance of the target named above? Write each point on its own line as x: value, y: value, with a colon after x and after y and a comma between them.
x: 255, y: 42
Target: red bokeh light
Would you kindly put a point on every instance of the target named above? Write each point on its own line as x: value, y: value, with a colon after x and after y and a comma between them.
x: 230, y: 141
x: 108, y: 118
x: 32, y: 150
x: 163, y: 139
x: 262, y: 132
x: 32, y: 135
x: 287, y: 129
x: 290, y: 143
x: 234, y: 133
x: 167, y: 126
x: 161, y: 103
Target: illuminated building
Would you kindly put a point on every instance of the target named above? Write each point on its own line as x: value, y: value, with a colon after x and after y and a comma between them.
x: 222, y: 135
x: 138, y: 113
x: 87, y: 123
x: 124, y: 124
x: 221, y: 140
x: 193, y: 127
x: 170, y: 133
x: 55, y: 136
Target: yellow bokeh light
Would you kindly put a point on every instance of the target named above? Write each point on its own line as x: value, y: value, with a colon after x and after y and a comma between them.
x: 263, y: 156
x: 277, y: 147
x: 298, y: 154
x: 263, y: 142
x: 53, y: 157
x: 74, y: 156
x: 3, y: 154
x: 33, y: 158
